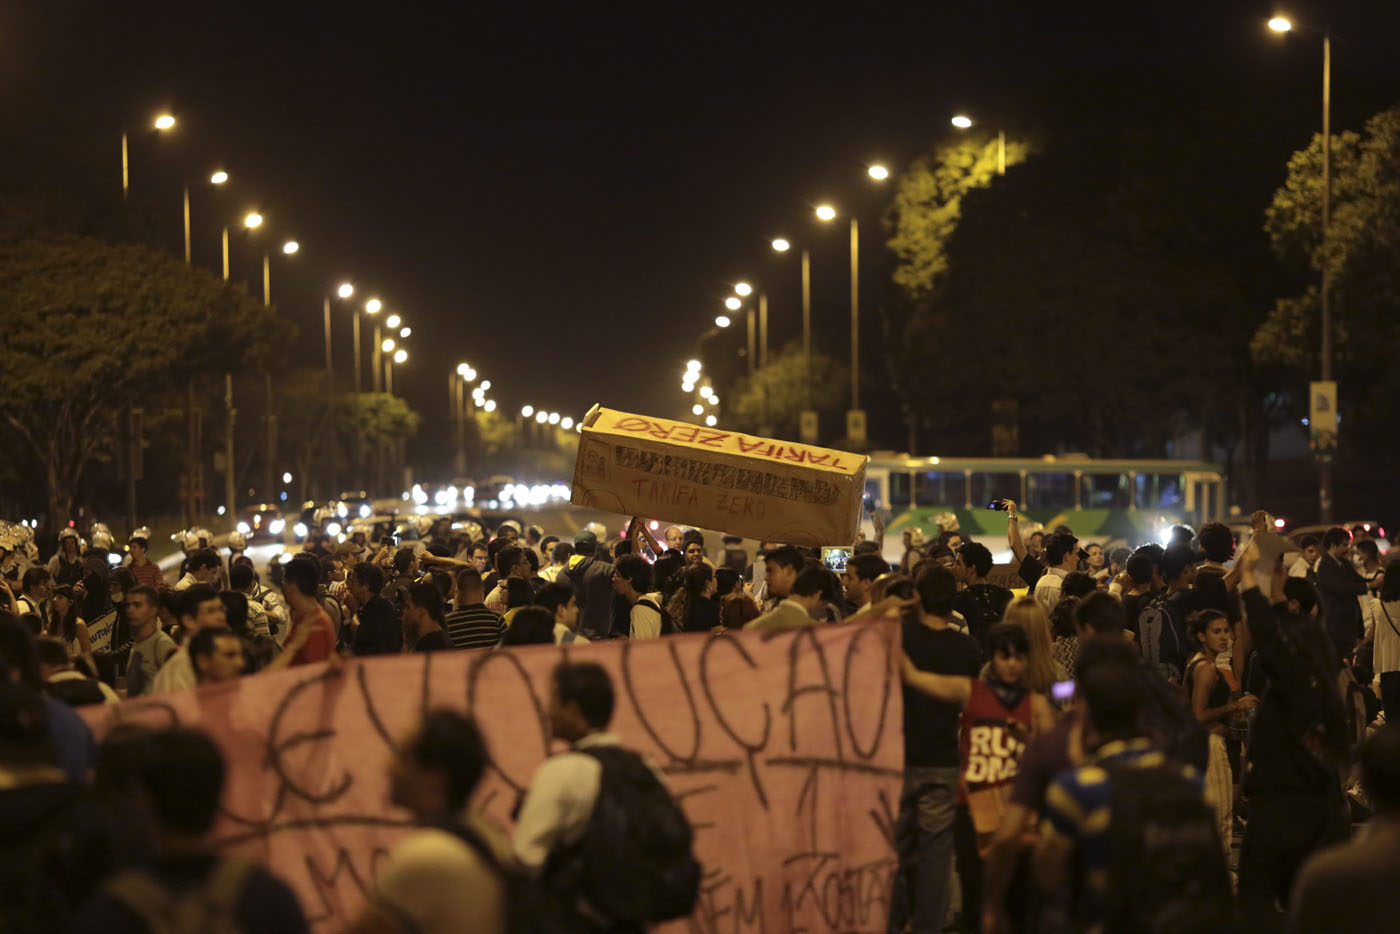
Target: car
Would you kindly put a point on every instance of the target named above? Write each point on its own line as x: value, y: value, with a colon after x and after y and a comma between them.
x: 261, y: 522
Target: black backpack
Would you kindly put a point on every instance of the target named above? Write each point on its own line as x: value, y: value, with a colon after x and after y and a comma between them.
x: 75, y: 692
x: 668, y: 625
x: 634, y: 863
x: 528, y: 908
x: 1167, y: 872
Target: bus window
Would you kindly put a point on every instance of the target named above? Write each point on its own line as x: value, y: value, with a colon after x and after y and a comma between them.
x: 1105, y: 491
x: 872, y: 490
x: 991, y: 486
x: 1159, y: 491
x: 899, y: 489
x: 1050, y: 491
x: 933, y: 488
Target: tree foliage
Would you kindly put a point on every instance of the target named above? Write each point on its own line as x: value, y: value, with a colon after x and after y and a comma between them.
x: 90, y: 328
x: 772, y: 399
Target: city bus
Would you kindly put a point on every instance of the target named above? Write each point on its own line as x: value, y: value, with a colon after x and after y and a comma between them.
x: 1101, y: 500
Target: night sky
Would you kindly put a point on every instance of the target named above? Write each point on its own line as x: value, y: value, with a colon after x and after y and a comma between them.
x: 563, y: 193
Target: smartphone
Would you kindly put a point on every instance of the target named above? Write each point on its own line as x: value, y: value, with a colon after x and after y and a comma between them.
x: 999, y: 505
x: 835, y: 558
x: 1062, y: 691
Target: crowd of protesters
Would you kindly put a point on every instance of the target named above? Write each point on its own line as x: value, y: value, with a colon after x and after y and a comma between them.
x: 1082, y: 756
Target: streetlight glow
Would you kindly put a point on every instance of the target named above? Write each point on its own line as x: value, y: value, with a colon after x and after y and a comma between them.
x: 346, y: 290
x: 541, y: 416
x: 393, y: 321
x: 826, y: 212
x: 405, y: 332
x: 698, y: 409
x: 722, y: 321
x: 218, y: 178
x: 286, y: 478
x: 781, y: 245
x: 388, y: 345
x: 554, y: 418
x: 485, y: 385
x: 527, y: 411
x: 566, y: 423
x: 962, y: 122
x: 165, y: 122
x: 743, y: 288
x: 400, y: 355
x: 290, y: 247
x: 373, y: 305
x: 711, y: 421
x: 463, y: 369
x: 733, y: 303
x: 254, y: 219
x: 490, y: 405
x: 878, y: 172
x: 1280, y: 24
x: 693, y: 365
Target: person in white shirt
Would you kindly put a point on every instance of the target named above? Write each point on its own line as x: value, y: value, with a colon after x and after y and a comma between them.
x: 1062, y: 556
x: 203, y: 568
x: 561, y: 603
x: 444, y: 877
x: 559, y: 559
x: 199, y: 607
x: 1306, y: 562
x: 632, y: 580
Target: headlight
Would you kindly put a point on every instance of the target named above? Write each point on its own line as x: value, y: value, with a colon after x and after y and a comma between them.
x: 300, y: 529
x: 276, y: 526
x: 243, y: 528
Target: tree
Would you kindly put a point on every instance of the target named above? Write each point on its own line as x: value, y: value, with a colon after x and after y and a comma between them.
x: 91, y: 328
x: 1361, y: 257
x: 771, y: 401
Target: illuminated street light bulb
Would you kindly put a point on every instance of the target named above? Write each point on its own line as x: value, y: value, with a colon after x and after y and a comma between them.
x: 290, y: 247
x: 962, y: 122
x: 826, y: 212
x: 471, y: 375
x: 373, y: 305
x: 405, y: 332
x: 346, y: 290
x: 722, y: 321
x: 711, y: 421
x: 878, y: 172
x: 490, y: 405
x: 554, y: 418
x: 1280, y: 24
x: 253, y: 219
x: 463, y: 369
x: 714, y: 399
x: 393, y: 321
x: 566, y: 423
x: 693, y: 365
x: 541, y: 416
x: 286, y: 478
x: 218, y: 178
x: 687, y: 387
x: 743, y: 288
x: 781, y: 245
x: 388, y: 345
x: 698, y: 409
x: 733, y: 303
x: 400, y: 355
x: 485, y: 385
x: 165, y: 122
x: 527, y: 411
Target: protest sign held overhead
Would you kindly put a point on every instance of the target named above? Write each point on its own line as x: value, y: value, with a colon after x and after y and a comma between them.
x: 784, y: 750
x: 757, y: 487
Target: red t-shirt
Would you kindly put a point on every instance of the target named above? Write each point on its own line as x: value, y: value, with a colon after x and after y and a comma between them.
x: 993, y: 738
x: 320, y: 644
x: 148, y: 575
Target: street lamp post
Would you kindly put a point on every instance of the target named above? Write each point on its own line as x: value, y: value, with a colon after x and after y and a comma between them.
x: 162, y: 122
x: 344, y: 291
x: 1327, y: 389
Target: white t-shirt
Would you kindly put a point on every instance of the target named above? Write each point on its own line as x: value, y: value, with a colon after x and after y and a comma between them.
x: 646, y: 622
x: 435, y: 883
x: 176, y: 674
x: 563, y: 634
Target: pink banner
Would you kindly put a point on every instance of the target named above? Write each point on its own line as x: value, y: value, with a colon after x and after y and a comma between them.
x: 785, y: 750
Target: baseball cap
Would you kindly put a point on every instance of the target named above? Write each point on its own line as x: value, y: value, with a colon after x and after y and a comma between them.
x: 585, y: 537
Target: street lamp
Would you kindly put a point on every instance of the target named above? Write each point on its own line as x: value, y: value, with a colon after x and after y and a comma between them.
x: 345, y: 290
x: 400, y: 355
x: 698, y: 409
x: 218, y: 178
x: 388, y: 345
x: 162, y: 123
x: 711, y: 421
x: 743, y: 288
x: 733, y: 303
x: 825, y: 212
x: 781, y: 245
x: 878, y: 172
x: 963, y: 122
x: 722, y: 321
x: 541, y: 416
x: 1282, y: 25
x: 290, y: 247
x: 554, y: 418
x: 566, y: 423
x: 405, y: 332
x: 373, y: 305
x: 490, y: 405
x: 393, y: 321
x: 527, y: 411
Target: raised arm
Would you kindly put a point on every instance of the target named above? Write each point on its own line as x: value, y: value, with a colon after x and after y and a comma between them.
x: 950, y: 689
x: 1013, y: 532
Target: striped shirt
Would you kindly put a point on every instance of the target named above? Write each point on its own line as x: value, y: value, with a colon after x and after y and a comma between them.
x: 473, y: 627
x: 1079, y: 808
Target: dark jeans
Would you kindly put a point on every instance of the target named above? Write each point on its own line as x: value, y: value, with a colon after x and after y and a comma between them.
x: 923, y: 838
x: 1283, y: 831
x: 1390, y: 696
x: 969, y: 871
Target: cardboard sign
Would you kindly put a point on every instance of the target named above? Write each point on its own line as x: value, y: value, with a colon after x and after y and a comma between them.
x: 785, y: 750
x: 756, y: 487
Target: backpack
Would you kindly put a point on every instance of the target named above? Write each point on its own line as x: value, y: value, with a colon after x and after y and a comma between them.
x: 634, y: 863
x: 208, y: 908
x: 75, y: 692
x: 668, y: 625
x: 1162, y: 637
x: 528, y: 908
x: 1167, y: 872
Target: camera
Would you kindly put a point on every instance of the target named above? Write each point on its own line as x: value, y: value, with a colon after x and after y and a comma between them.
x: 999, y: 505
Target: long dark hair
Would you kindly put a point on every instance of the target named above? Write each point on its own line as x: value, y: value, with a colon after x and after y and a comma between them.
x: 1390, y: 587
x: 691, y: 592
x: 67, y: 627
